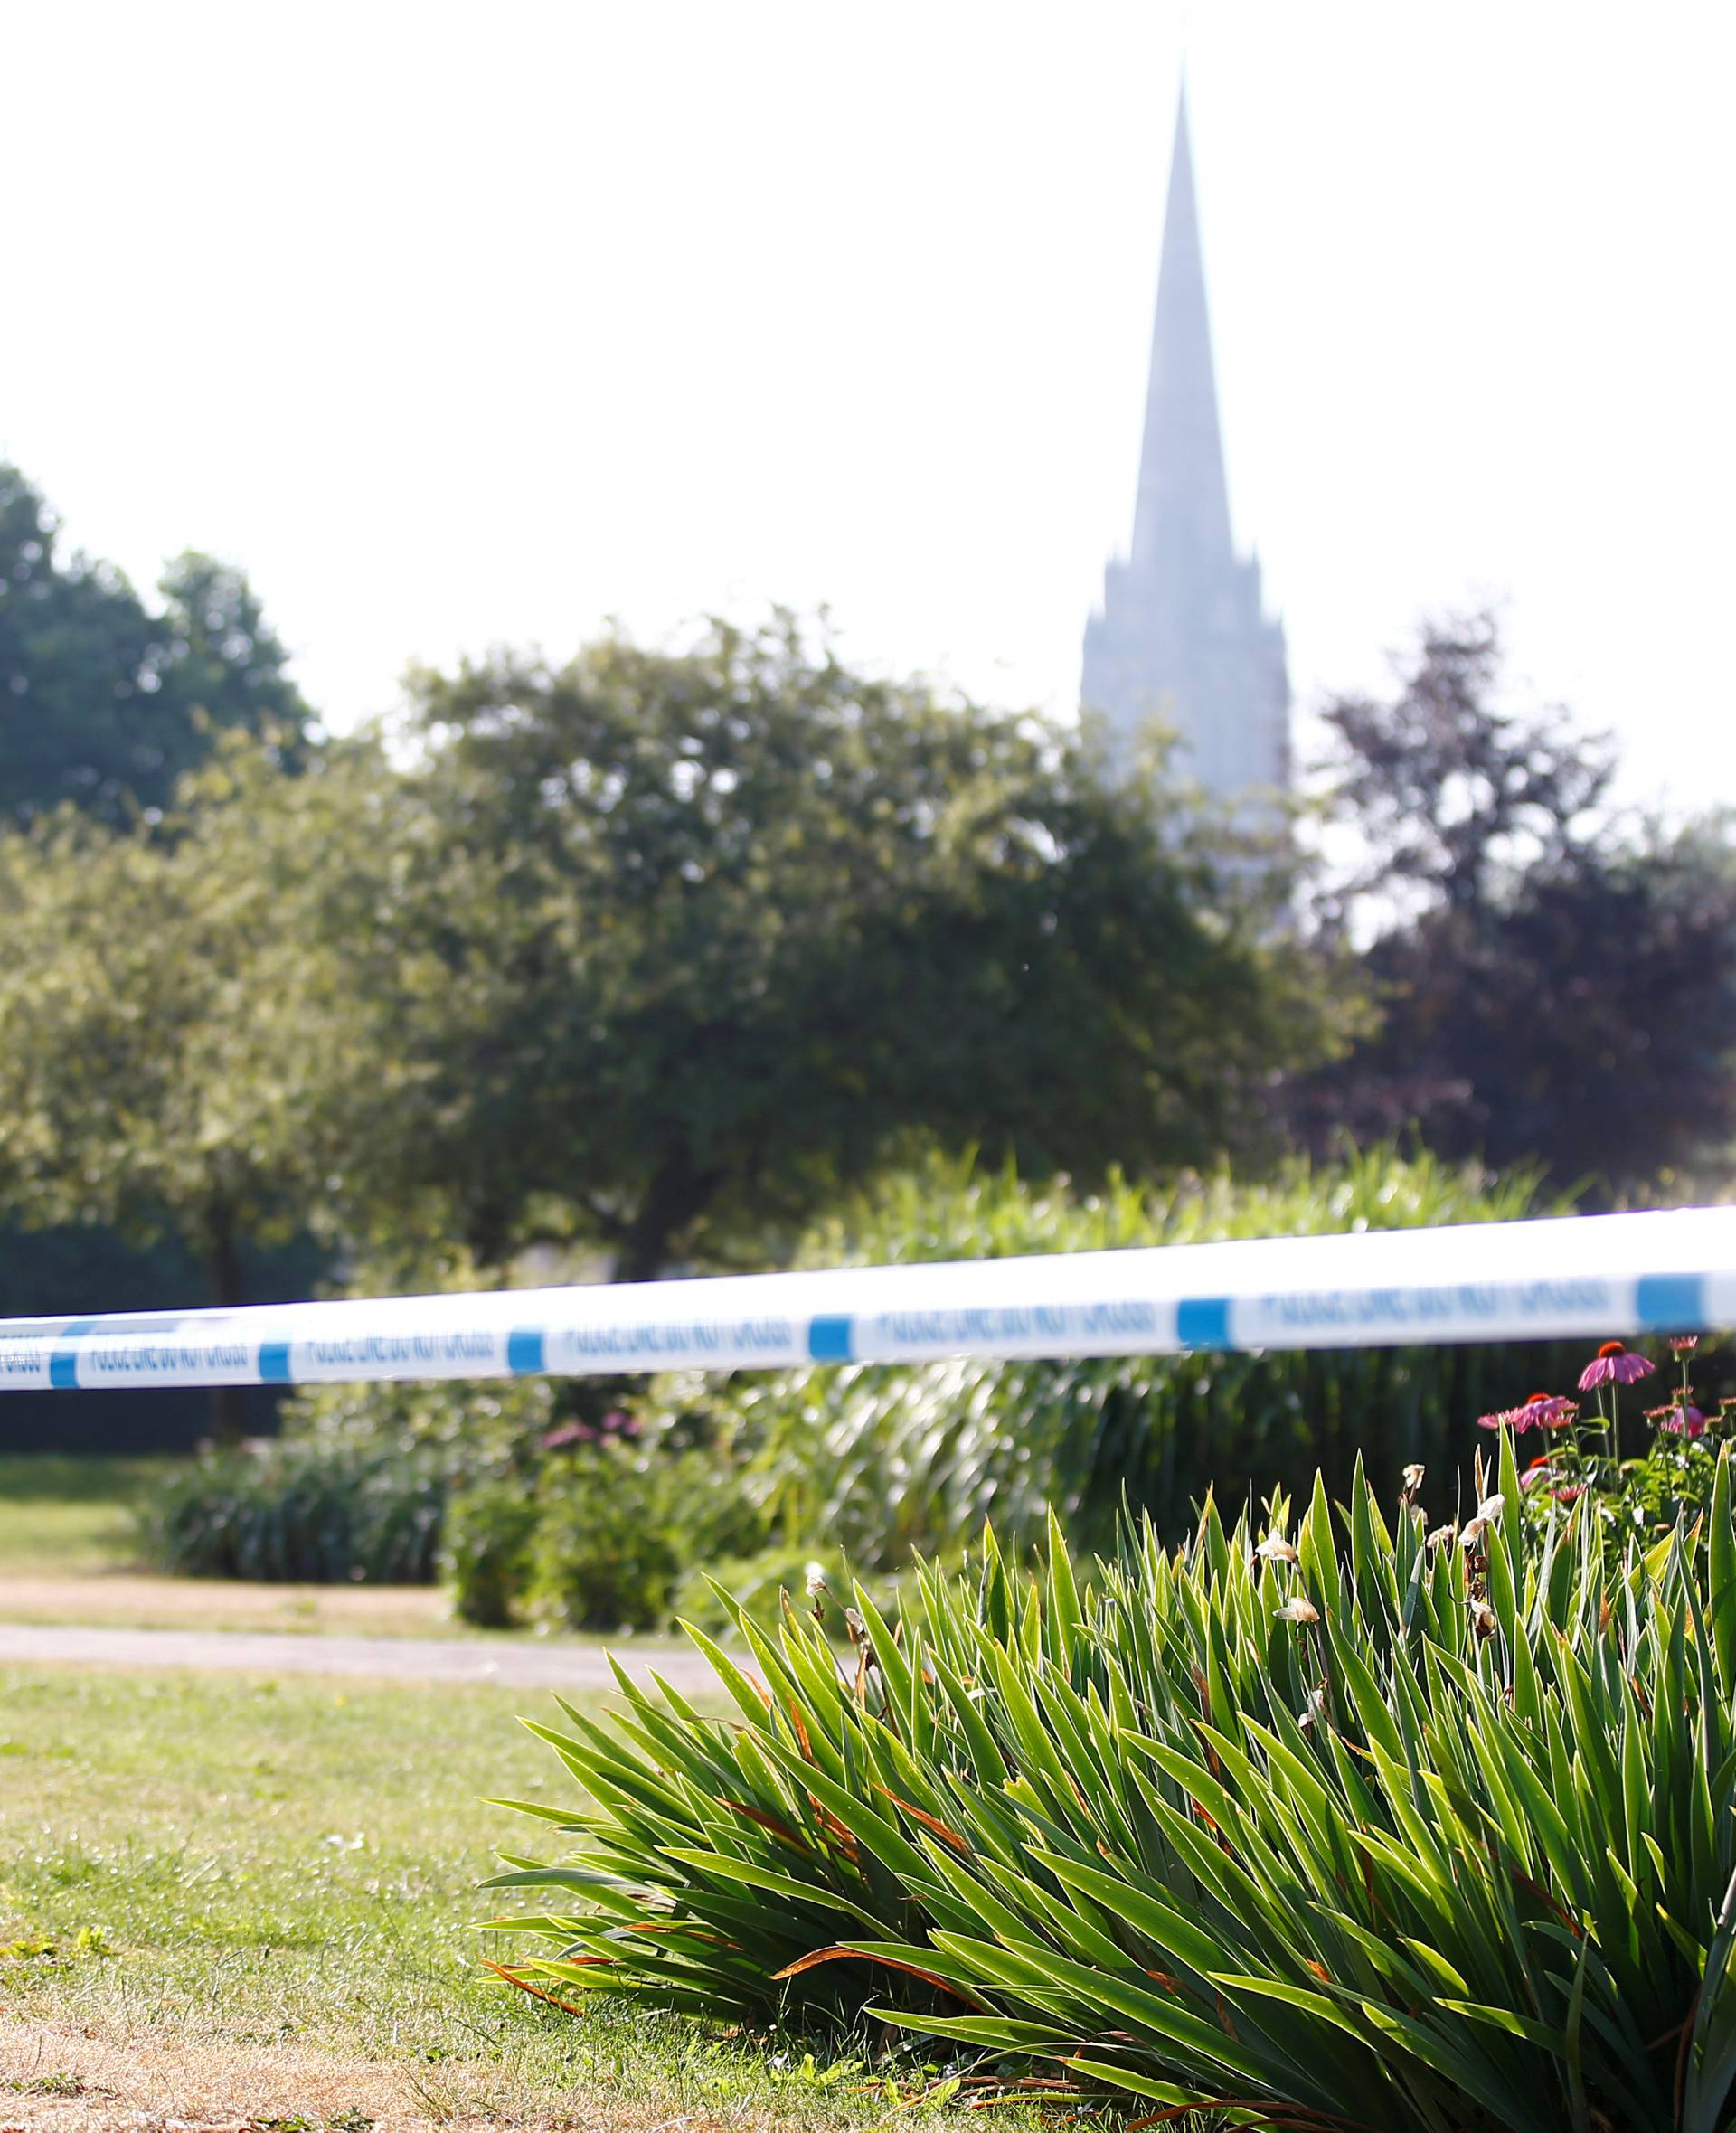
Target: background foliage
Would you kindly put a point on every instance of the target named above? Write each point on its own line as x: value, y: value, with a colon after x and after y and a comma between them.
x: 596, y: 1503
x: 883, y: 1461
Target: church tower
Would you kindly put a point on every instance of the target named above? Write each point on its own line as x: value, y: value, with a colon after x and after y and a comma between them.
x: 1182, y: 638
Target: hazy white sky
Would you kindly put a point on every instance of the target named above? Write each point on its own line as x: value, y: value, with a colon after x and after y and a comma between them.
x: 461, y: 325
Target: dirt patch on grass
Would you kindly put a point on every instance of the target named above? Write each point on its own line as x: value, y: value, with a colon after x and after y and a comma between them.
x: 58, y: 2078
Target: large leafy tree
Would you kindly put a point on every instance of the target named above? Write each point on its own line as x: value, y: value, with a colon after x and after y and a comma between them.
x: 1556, y: 987
x: 105, y: 703
x: 182, y: 1053
x: 719, y: 928
x: 653, y: 952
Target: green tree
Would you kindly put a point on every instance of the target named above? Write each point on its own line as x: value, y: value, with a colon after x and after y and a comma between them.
x: 106, y: 704
x: 178, y: 1034
x: 718, y: 929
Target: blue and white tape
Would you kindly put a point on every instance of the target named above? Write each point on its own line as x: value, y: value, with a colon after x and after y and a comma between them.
x: 1602, y: 1276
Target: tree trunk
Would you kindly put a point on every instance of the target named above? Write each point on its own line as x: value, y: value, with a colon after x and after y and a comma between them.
x: 677, y: 1195
x: 228, y: 1289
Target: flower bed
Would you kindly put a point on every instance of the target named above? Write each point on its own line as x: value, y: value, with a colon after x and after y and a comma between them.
x: 1344, y: 1818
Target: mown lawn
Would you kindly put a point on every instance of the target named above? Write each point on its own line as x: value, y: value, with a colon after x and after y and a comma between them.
x: 69, y: 1518
x: 259, y: 1896
x: 66, y: 1556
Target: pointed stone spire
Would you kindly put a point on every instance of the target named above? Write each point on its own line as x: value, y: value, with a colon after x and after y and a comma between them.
x: 1184, y: 507
x: 1182, y: 637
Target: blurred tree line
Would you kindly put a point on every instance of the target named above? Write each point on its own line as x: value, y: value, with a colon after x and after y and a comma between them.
x: 1551, y: 985
x: 652, y: 954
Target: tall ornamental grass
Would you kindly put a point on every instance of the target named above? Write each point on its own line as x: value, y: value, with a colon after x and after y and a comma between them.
x: 1341, y: 1821
x: 883, y: 1459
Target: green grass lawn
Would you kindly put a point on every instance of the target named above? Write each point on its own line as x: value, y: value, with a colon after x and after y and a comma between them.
x: 263, y: 1871
x: 69, y: 1516
x: 67, y: 1555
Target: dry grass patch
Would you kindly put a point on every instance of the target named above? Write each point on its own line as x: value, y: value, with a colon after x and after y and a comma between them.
x: 58, y: 2077
x: 230, y: 1900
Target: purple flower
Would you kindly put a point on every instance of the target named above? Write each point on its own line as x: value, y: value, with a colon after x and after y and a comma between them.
x: 1542, y: 1411
x: 566, y: 1433
x: 1551, y: 1411
x: 1683, y: 1417
x: 1614, y: 1362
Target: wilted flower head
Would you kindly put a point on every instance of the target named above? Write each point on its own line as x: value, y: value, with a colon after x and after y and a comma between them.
x: 1316, y: 1706
x: 1275, y: 1548
x: 1439, y: 1538
x: 814, y: 1584
x: 1298, y: 1610
x: 1413, y: 1480
x: 1488, y: 1511
x: 1483, y: 1618
x: 1614, y: 1363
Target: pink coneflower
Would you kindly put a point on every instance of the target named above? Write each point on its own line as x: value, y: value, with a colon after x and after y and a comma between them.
x: 1541, y: 1411
x: 1614, y: 1363
x: 1569, y: 1495
x: 1683, y: 1344
x: 1683, y: 1417
x: 566, y: 1433
x: 1549, y: 1411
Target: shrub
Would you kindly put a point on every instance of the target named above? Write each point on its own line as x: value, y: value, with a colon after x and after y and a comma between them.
x: 602, y: 1550
x: 296, y: 1513
x: 473, y: 1430
x: 1355, y: 1824
x: 619, y: 1514
x: 485, y: 1551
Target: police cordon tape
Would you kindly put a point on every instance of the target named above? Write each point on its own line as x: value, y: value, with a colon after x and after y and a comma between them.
x: 1600, y: 1276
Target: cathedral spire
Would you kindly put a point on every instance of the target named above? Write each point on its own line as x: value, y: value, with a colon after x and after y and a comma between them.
x: 1183, y: 512
x: 1182, y: 637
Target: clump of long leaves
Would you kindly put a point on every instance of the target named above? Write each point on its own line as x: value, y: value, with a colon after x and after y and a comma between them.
x: 1347, y: 1824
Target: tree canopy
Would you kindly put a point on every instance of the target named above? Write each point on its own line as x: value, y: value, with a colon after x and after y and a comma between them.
x: 723, y: 925
x: 652, y: 951
x: 1556, y: 986
x: 105, y: 703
